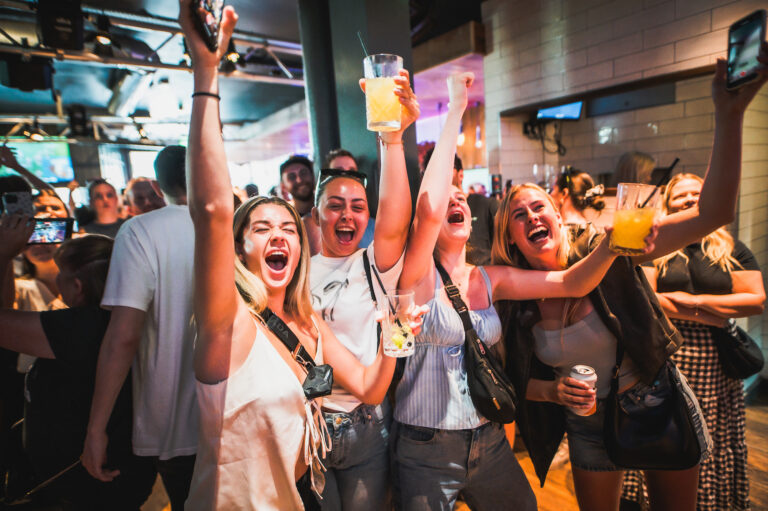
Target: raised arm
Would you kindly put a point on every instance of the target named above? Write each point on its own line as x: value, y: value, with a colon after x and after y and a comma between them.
x: 369, y: 384
x: 209, y: 193
x: 8, y: 159
x: 434, y: 192
x: 15, y: 230
x: 719, y: 194
x: 510, y: 283
x: 394, y: 214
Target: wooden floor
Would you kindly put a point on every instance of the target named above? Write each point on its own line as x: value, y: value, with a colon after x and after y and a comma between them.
x: 558, y: 494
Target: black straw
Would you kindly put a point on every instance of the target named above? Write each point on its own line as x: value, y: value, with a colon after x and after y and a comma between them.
x: 664, y: 180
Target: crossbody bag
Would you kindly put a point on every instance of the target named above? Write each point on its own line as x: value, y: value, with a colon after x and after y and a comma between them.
x: 319, y: 379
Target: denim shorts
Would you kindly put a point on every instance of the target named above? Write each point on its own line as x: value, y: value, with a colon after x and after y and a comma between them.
x: 585, y: 434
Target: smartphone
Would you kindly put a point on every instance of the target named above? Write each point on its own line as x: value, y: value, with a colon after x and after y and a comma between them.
x: 208, y: 24
x: 51, y: 230
x: 744, y: 39
x: 18, y: 203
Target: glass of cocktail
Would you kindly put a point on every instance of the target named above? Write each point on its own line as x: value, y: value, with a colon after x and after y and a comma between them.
x: 634, y: 217
x: 398, y: 338
x: 382, y: 106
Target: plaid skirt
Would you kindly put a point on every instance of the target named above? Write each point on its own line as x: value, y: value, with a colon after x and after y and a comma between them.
x: 723, y: 482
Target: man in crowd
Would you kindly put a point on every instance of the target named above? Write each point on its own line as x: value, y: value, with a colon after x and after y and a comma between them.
x: 297, y: 181
x: 141, y: 196
x: 483, y: 212
x: 149, y: 289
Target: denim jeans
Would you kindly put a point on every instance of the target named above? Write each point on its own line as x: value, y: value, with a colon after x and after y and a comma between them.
x: 358, y: 465
x: 433, y: 465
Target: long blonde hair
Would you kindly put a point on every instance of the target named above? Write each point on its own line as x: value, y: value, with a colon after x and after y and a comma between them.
x: 298, y: 301
x: 503, y: 250
x: 716, y: 246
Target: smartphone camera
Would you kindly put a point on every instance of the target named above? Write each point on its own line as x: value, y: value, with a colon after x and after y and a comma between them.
x: 744, y: 39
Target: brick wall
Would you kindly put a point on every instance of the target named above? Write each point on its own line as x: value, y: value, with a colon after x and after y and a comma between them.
x: 546, y: 49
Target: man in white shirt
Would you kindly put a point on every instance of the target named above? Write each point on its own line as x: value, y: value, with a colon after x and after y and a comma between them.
x: 149, y: 289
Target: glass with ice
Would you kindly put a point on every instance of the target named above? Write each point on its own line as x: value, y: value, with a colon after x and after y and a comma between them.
x: 382, y: 106
x: 396, y: 333
x: 631, y: 222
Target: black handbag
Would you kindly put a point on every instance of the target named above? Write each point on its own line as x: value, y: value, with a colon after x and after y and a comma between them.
x: 739, y: 354
x: 659, y: 431
x: 319, y: 379
x: 491, y: 391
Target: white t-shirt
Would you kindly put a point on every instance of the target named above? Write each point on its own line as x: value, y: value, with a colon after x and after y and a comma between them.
x: 340, y: 294
x: 152, y: 270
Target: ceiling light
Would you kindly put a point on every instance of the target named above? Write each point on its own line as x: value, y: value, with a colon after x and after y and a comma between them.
x: 34, y: 132
x: 103, y: 36
x: 232, y: 54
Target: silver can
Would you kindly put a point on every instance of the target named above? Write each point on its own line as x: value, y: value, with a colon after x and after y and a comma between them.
x: 588, y: 375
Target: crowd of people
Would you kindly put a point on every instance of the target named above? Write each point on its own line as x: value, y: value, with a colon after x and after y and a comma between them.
x: 129, y: 357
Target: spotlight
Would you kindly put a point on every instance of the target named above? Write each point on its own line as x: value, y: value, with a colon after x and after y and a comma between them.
x: 140, y: 130
x: 34, y: 132
x: 103, y: 36
x: 232, y: 54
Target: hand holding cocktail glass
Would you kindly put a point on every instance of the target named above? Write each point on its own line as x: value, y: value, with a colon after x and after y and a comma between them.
x: 635, y: 220
x: 408, y: 109
x: 401, y: 321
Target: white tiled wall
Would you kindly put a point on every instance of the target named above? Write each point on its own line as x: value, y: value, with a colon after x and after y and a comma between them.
x: 546, y: 49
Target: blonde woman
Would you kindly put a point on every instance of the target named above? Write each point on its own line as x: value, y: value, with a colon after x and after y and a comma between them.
x: 544, y: 339
x: 702, y: 285
x: 259, y: 434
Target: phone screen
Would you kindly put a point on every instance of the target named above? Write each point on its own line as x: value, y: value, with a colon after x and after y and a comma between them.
x: 51, y: 230
x: 743, y: 47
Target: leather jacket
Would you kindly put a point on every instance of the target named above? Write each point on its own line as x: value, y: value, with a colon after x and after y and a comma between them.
x: 627, y: 305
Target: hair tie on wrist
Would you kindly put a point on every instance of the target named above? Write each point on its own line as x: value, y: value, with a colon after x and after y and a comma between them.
x: 209, y: 94
x: 387, y: 144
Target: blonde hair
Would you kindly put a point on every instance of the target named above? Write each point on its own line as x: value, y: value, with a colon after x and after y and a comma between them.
x: 503, y: 250
x: 633, y: 167
x: 716, y: 246
x: 298, y: 301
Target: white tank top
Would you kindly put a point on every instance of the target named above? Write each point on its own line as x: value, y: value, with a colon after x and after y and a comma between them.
x: 254, y: 426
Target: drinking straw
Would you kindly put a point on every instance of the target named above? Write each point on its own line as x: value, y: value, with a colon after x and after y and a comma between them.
x: 365, y: 50
x: 662, y: 181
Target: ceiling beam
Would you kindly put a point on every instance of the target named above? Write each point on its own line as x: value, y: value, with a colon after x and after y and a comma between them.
x: 168, y: 25
x: 87, y: 57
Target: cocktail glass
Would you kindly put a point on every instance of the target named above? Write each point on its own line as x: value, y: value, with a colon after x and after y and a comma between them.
x: 631, y: 222
x: 382, y: 106
x: 398, y: 338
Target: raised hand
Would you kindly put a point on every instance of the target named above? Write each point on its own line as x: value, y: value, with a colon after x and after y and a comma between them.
x: 15, y: 231
x: 201, y: 56
x: 458, y: 90
x: 8, y: 158
x: 736, y: 101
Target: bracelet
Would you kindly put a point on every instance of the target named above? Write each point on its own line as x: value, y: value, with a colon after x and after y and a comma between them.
x: 696, y: 309
x: 387, y: 144
x: 208, y: 94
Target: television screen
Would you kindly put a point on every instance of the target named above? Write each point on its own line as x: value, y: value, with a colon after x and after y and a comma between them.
x: 50, y: 161
x: 571, y: 111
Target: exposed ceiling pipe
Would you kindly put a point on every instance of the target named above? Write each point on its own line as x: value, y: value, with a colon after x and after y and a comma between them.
x: 118, y: 62
x: 171, y: 26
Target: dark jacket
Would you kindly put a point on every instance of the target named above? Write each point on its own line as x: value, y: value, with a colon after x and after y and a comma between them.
x: 627, y: 305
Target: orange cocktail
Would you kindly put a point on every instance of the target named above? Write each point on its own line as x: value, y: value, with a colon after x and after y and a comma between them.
x: 634, y: 217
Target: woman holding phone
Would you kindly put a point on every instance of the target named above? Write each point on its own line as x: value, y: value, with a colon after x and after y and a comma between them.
x: 259, y: 432
x: 546, y: 338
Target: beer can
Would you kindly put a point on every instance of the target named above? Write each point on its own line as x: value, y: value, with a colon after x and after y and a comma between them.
x: 588, y: 375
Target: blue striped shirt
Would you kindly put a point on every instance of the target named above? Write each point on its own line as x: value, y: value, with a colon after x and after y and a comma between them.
x: 433, y: 392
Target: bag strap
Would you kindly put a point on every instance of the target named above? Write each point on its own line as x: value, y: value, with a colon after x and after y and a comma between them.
x: 455, y: 296
x: 616, y: 368
x: 368, y: 267
x: 288, y: 338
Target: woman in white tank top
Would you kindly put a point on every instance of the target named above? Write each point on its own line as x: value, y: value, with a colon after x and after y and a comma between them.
x: 259, y: 434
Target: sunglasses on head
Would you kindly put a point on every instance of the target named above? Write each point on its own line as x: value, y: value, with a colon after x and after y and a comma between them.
x: 326, y: 174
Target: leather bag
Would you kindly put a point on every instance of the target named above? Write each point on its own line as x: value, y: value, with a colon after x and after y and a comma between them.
x: 739, y: 354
